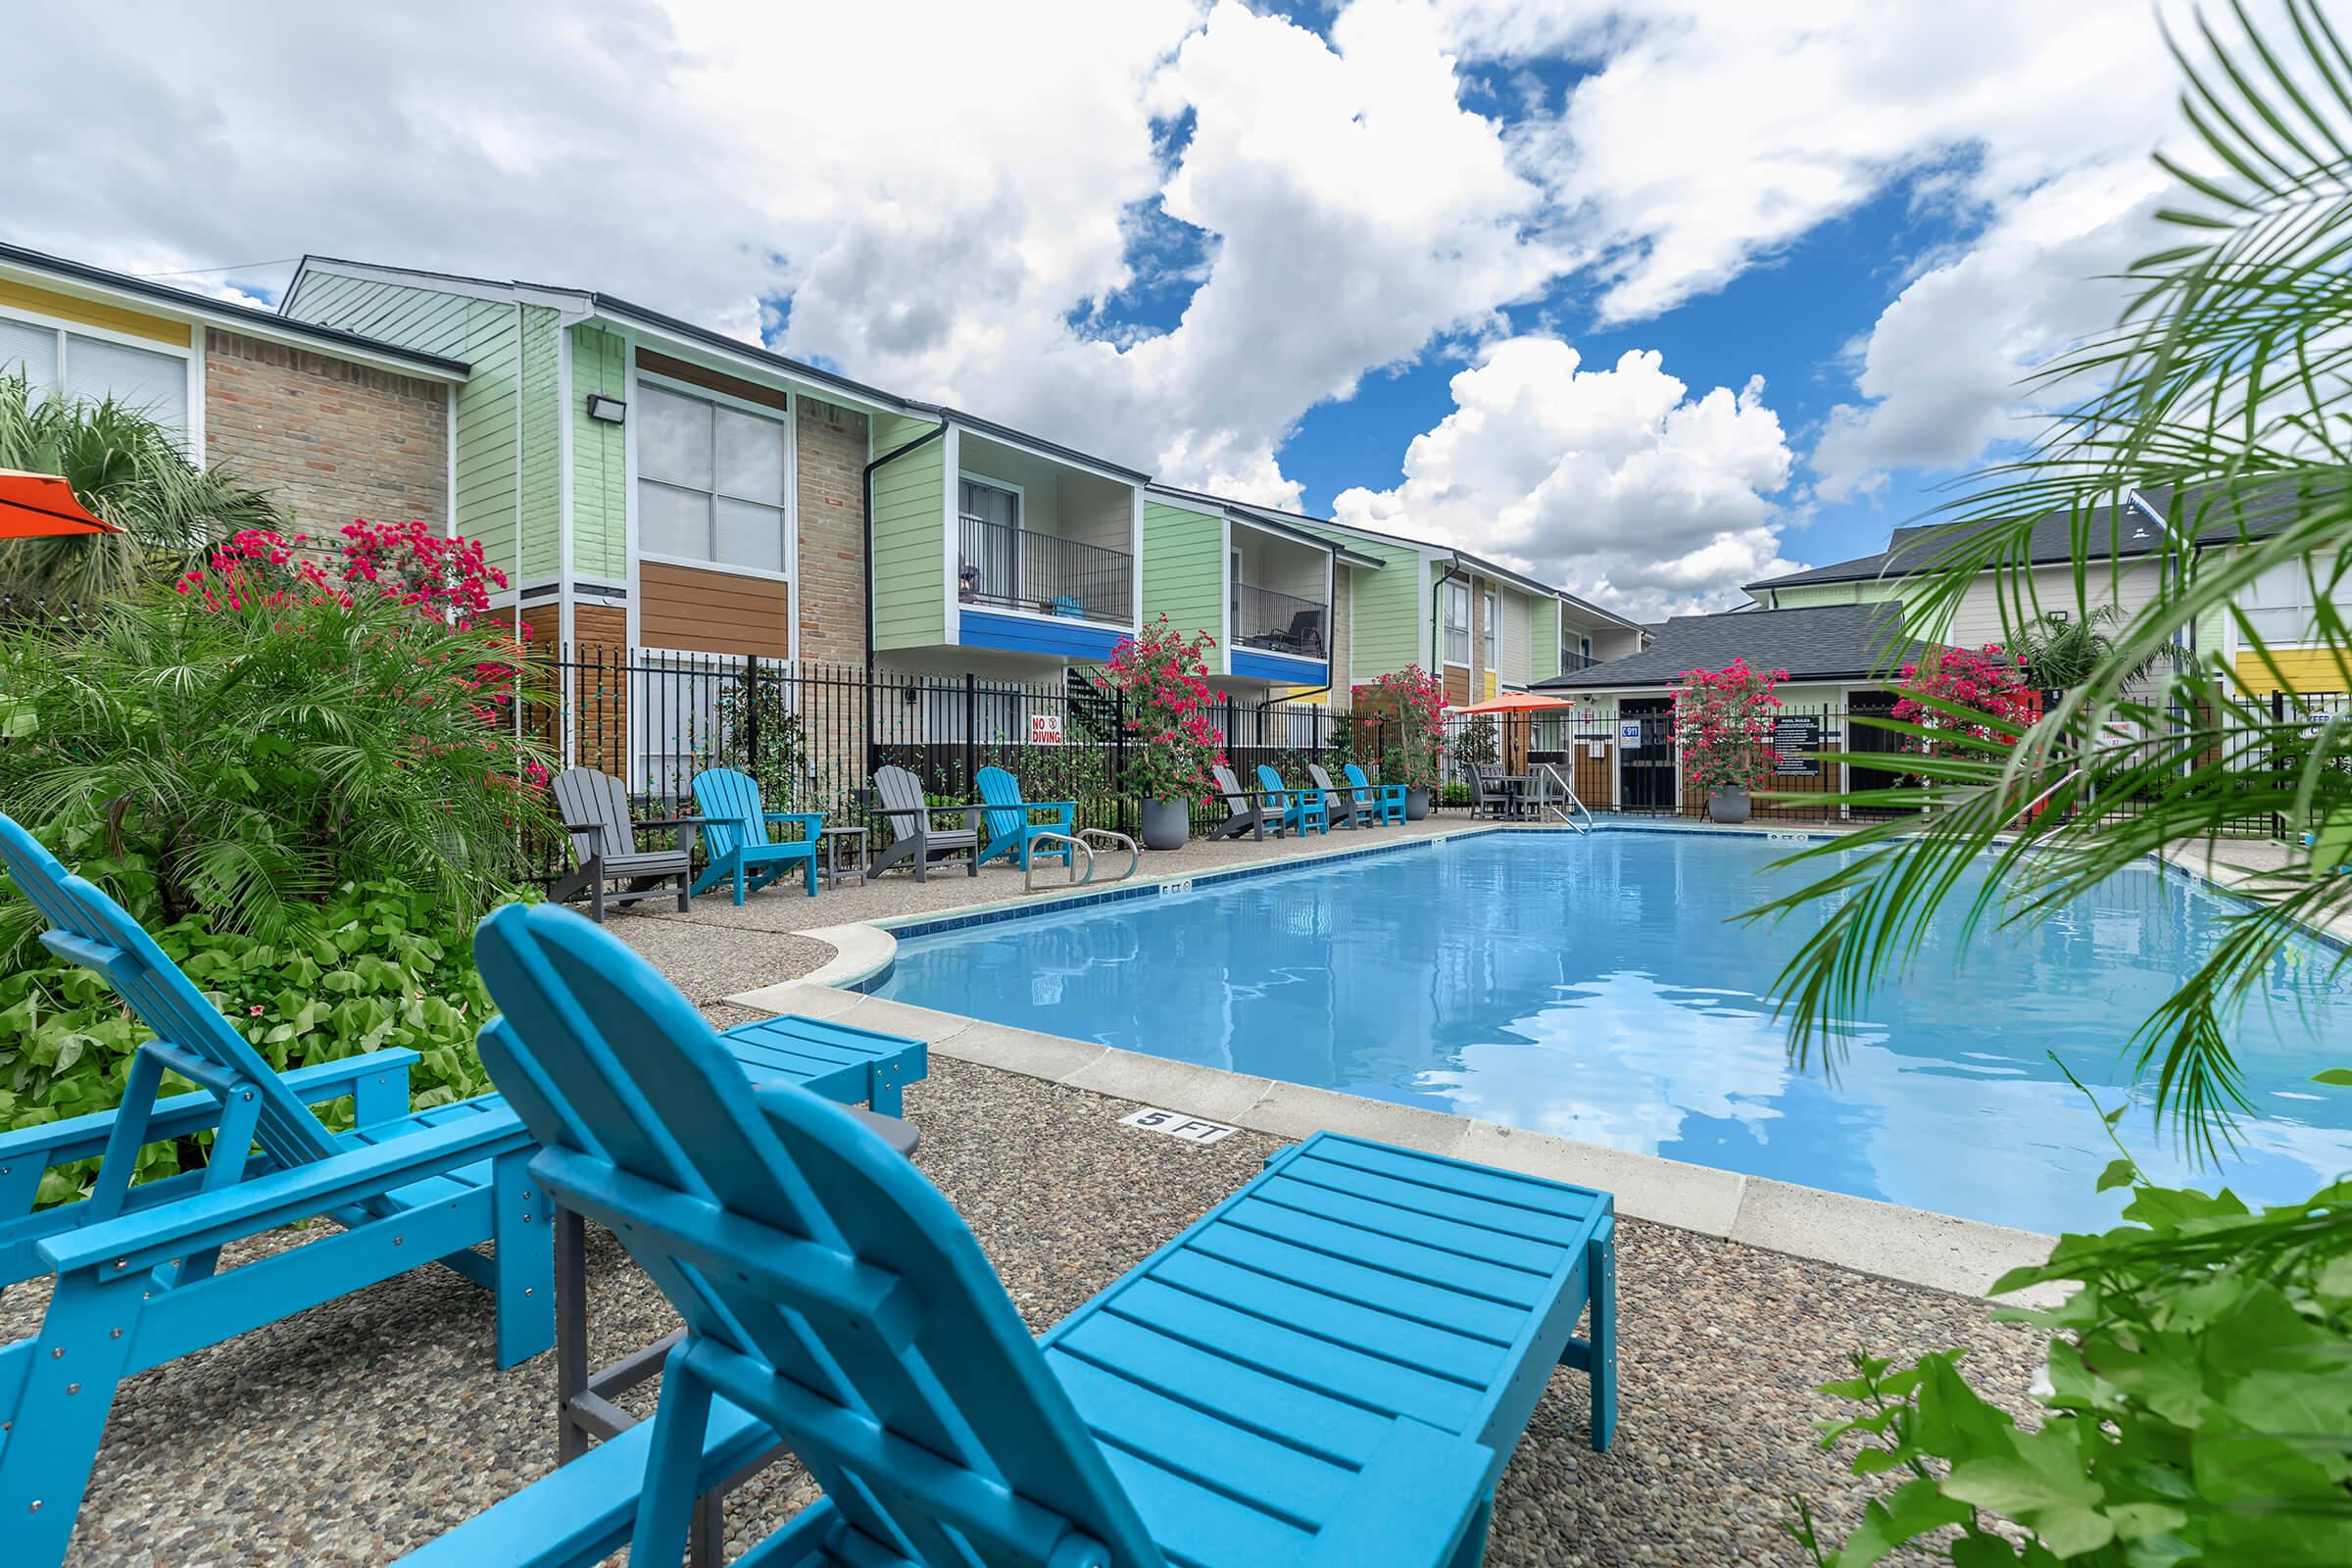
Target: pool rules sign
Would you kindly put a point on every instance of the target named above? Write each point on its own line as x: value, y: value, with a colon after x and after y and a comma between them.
x: 1794, y: 737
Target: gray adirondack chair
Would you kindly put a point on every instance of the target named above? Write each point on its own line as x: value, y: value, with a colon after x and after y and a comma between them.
x: 917, y: 842
x: 1487, y: 792
x: 1246, y: 813
x: 595, y: 809
x: 1343, y: 807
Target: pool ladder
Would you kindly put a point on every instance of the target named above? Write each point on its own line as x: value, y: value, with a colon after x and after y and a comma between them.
x: 1567, y: 793
x: 1077, y: 844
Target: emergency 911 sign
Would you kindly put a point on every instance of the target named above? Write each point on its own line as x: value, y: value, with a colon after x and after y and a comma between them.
x: 1045, y: 729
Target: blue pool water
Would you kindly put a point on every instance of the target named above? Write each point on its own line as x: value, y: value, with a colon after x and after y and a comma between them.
x: 1592, y: 987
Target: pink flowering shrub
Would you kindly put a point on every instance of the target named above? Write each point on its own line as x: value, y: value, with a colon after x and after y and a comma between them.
x: 1409, y: 706
x: 1163, y: 675
x: 1723, y: 721
x: 1993, y: 692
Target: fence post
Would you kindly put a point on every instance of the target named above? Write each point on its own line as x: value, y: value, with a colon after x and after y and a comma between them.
x: 751, y: 719
x: 2279, y: 726
x: 971, y: 731
x: 1118, y: 756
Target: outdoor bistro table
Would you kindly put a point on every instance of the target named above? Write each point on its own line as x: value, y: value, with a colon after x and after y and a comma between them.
x: 587, y: 1402
x: 834, y: 838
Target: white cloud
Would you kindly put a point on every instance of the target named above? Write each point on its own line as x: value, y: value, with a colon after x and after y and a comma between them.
x: 1614, y: 483
x: 1945, y: 368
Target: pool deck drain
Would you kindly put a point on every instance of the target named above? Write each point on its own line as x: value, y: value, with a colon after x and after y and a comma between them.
x: 1908, y: 1244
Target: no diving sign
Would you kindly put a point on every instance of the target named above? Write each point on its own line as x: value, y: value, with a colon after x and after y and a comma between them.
x: 1192, y: 1129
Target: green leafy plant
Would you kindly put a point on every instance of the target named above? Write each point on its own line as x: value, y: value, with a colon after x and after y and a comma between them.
x: 1161, y: 677
x: 131, y: 471
x: 1478, y: 742
x: 2059, y: 650
x: 379, y: 966
x: 1723, y: 722
x: 1406, y: 707
x: 259, y: 757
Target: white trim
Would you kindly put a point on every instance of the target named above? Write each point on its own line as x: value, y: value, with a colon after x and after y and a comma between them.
x: 665, y: 341
x: 629, y: 498
x: 449, y: 406
x: 191, y: 378
x: 1042, y: 455
x: 690, y: 389
x: 951, y: 461
x: 792, y: 525
x: 1135, y: 555
x: 194, y: 313
x: 692, y: 564
x: 1226, y: 582
x: 568, y: 630
x: 787, y: 419
x: 197, y: 382
x: 1019, y: 492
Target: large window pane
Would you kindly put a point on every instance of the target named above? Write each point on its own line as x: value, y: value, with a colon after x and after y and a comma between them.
x: 992, y: 504
x: 28, y: 351
x: 751, y: 457
x: 672, y: 521
x: 750, y: 536
x: 674, y: 438
x: 156, y: 384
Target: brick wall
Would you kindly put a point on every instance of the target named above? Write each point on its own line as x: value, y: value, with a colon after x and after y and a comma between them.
x: 330, y: 440
x: 831, y: 462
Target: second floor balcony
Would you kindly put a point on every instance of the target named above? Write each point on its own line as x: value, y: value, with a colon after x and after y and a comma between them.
x: 1005, y: 567
x: 1280, y: 622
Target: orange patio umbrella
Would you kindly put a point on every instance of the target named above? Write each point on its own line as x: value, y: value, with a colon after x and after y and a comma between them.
x: 1515, y: 703
x: 39, y: 505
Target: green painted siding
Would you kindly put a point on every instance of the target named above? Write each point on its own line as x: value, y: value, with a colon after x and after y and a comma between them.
x: 1385, y: 628
x: 910, y: 499
x: 542, y: 444
x: 1183, y: 574
x: 600, y: 363
x: 498, y: 452
x: 1544, y: 639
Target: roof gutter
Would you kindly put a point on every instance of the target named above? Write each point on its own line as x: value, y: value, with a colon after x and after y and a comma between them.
x: 1454, y: 569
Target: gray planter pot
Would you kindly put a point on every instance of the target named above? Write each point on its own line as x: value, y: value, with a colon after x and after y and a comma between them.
x: 1166, y: 824
x: 1416, y: 804
x: 1726, y: 806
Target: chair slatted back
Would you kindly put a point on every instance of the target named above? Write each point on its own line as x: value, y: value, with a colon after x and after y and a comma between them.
x: 824, y: 1283
x: 902, y: 801
x: 92, y: 930
x: 728, y: 803
x: 1007, y: 815
x: 588, y: 795
x: 1278, y: 794
x: 1331, y: 792
x: 1358, y: 783
x: 1231, y: 788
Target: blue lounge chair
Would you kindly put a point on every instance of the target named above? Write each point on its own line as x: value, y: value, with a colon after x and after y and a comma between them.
x: 1329, y: 1370
x: 1292, y: 811
x: 1012, y: 825
x: 134, y: 1264
x: 1387, y: 798
x: 735, y: 828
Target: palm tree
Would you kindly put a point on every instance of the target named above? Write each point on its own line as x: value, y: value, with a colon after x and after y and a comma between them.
x: 2223, y: 397
x: 129, y: 470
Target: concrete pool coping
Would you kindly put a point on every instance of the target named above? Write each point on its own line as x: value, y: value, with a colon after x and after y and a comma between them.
x: 1911, y: 1246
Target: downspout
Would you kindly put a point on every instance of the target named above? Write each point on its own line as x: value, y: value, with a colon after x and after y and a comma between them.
x: 1437, y: 661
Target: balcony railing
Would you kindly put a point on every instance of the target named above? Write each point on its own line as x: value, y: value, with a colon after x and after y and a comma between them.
x: 1280, y: 623
x: 1044, y: 573
x: 1571, y: 660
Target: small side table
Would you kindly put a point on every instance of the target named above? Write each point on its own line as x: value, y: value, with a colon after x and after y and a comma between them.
x: 834, y: 838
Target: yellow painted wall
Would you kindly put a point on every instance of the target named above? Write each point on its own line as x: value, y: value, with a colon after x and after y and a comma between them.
x: 2307, y: 670
x: 90, y: 313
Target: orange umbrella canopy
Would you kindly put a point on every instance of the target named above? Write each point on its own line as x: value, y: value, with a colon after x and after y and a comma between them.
x: 1515, y: 702
x: 37, y: 505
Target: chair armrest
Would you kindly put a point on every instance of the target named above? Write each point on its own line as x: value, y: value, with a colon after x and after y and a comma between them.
x: 1066, y: 810
x: 58, y: 1143
x: 150, y: 1236
x: 1416, y: 1496
x: 672, y: 821
x: 812, y: 822
x: 596, y: 829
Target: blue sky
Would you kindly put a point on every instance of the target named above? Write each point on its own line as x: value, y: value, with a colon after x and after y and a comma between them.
x: 1648, y: 299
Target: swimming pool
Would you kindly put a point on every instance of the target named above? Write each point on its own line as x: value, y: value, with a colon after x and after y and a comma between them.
x: 1591, y: 987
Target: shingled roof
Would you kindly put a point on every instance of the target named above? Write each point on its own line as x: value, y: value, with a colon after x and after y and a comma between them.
x: 1831, y: 642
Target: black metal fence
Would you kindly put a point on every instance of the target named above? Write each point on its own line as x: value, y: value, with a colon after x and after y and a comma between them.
x: 1282, y: 624
x: 813, y: 733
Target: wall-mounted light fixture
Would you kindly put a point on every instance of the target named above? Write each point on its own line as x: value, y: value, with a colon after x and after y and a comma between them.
x: 612, y: 411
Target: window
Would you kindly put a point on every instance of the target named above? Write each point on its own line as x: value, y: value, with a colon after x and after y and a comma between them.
x: 2280, y: 604
x: 60, y: 360
x: 1457, y: 596
x: 1490, y: 604
x: 710, y: 481
x: 989, y: 503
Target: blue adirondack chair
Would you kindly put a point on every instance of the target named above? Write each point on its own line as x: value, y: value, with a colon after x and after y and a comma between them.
x: 735, y: 830
x: 1012, y: 825
x: 1387, y: 800
x: 1297, y: 809
x: 1327, y: 1371
x: 136, y: 1284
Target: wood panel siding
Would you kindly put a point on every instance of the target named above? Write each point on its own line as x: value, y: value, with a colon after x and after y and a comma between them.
x: 712, y: 380
x: 909, y: 524
x: 1457, y: 686
x: 1183, y: 571
x: 600, y: 364
x: 693, y: 610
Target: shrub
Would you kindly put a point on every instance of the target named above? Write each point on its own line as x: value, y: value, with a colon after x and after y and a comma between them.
x: 1411, y: 704
x: 1723, y: 722
x: 257, y: 754
x: 1162, y: 677
x: 378, y: 966
x: 1970, y: 695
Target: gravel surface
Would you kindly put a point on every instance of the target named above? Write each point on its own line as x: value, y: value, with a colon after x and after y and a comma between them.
x: 358, y: 1429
